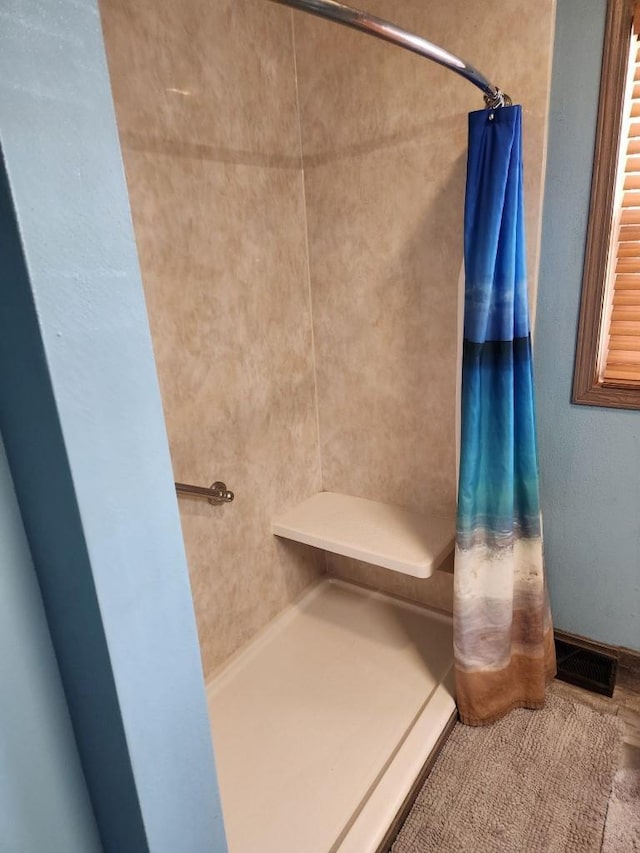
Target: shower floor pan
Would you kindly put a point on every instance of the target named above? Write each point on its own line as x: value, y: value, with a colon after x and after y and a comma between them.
x: 323, y: 723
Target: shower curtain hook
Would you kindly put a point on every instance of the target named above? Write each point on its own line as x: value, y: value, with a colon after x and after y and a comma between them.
x: 497, y: 98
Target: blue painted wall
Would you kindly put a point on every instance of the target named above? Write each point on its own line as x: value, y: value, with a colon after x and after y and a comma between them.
x: 82, y: 423
x: 44, y: 804
x: 589, y: 457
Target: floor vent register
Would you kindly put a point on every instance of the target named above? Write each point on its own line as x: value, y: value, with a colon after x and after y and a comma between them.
x: 585, y: 667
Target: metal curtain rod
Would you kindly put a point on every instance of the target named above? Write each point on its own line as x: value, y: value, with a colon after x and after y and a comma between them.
x: 332, y: 11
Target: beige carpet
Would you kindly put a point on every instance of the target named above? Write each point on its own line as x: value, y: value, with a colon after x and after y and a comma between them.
x: 622, y: 831
x: 536, y: 781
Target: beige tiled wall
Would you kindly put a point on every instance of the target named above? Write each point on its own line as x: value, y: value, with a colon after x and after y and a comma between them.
x: 206, y: 104
x: 384, y: 148
x: 208, y: 116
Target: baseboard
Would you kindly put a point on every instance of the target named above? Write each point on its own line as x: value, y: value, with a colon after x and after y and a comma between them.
x: 606, y: 649
x: 629, y: 658
x: 587, y: 643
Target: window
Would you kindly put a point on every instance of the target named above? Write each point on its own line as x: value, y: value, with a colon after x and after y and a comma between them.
x: 607, y: 370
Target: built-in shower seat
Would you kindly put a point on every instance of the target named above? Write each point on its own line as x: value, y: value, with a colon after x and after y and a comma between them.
x: 378, y: 533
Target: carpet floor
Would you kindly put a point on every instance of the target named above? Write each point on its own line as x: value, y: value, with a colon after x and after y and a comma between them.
x: 536, y: 781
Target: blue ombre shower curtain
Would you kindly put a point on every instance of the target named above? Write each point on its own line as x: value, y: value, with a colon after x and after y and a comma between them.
x: 503, y: 635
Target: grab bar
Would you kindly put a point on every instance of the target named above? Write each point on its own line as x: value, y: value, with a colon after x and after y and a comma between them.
x: 217, y: 493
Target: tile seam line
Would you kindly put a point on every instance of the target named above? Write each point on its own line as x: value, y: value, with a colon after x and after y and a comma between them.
x: 308, y: 259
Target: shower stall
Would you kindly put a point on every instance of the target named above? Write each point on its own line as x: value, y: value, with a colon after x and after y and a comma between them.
x: 297, y: 191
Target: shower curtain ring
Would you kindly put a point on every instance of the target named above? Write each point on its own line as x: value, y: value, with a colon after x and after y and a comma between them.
x: 497, y: 98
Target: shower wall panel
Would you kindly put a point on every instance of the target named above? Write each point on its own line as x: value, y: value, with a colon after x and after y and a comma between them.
x: 205, y: 97
x: 384, y: 149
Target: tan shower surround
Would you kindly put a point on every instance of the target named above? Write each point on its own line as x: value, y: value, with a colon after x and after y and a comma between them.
x: 207, y: 111
x: 206, y: 105
x: 384, y: 138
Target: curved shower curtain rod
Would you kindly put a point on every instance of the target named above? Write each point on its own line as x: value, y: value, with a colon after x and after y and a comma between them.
x: 493, y: 96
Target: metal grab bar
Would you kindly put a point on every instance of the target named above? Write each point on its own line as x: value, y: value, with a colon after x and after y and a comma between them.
x: 217, y: 493
x: 378, y: 27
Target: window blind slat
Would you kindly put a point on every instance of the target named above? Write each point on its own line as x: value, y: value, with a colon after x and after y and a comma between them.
x: 622, y: 374
x: 629, y: 233
x: 624, y: 329
x: 627, y: 281
x: 627, y: 265
x: 622, y: 357
x: 632, y: 164
x: 631, y: 198
x: 626, y: 297
x: 630, y: 216
x: 631, y: 313
x: 624, y: 344
x: 629, y: 249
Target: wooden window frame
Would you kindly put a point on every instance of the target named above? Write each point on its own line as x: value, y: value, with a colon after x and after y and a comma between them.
x: 588, y: 389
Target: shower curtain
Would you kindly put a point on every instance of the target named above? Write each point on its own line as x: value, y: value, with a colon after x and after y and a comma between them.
x: 503, y: 635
